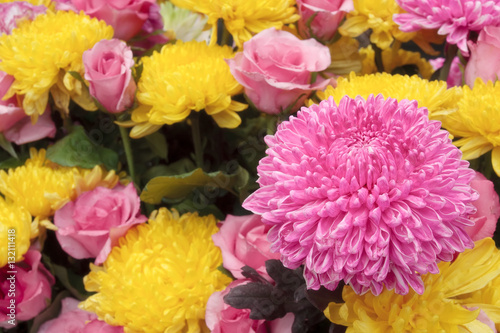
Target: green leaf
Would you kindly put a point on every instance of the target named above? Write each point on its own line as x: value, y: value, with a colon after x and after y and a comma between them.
x: 179, y: 186
x: 158, y: 144
x: 70, y: 280
x: 7, y: 146
x: 11, y: 163
x: 76, y: 149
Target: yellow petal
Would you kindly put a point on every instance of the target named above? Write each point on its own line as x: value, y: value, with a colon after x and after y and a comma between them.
x: 473, y: 147
x: 354, y: 26
x: 495, y: 160
x: 142, y: 130
x: 227, y: 119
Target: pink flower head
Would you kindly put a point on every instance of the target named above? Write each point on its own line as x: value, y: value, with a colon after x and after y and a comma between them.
x: 14, y: 12
x: 484, y: 61
x: 90, y: 226
x: 328, y: 14
x: 108, y: 68
x: 242, y: 240
x: 15, y: 125
x: 276, y: 68
x: 454, y: 18
x: 125, y: 16
x: 488, y: 208
x: 73, y: 320
x: 370, y: 192
x: 30, y: 288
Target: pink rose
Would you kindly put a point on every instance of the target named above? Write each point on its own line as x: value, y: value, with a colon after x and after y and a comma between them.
x: 32, y: 291
x: 12, y: 13
x: 328, y: 14
x: 276, y: 69
x: 99, y: 326
x: 16, y: 125
x: 108, y: 70
x: 243, y: 241
x: 125, y: 16
x: 73, y: 320
x: 91, y: 225
x: 149, y: 35
x: 223, y: 318
x: 488, y: 209
x: 484, y: 61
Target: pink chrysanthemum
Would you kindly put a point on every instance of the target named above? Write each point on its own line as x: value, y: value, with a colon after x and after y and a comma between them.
x: 454, y: 18
x: 370, y: 192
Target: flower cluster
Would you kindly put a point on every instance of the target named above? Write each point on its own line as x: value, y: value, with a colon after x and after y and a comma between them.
x: 264, y: 166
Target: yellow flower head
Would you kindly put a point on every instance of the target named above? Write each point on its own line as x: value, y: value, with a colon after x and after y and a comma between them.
x: 40, y: 53
x: 445, y: 306
x: 394, y: 57
x: 186, y: 77
x: 42, y: 187
x: 160, y: 276
x: 433, y: 95
x: 37, y: 187
x: 15, y: 218
x: 375, y: 15
x: 477, y: 122
x: 243, y: 17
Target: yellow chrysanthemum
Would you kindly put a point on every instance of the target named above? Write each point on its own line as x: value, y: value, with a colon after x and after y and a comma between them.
x: 243, y: 17
x: 477, y: 122
x: 444, y: 306
x: 186, y: 77
x: 393, y: 58
x: 41, y: 53
x: 433, y: 95
x: 375, y: 15
x: 13, y: 217
x: 160, y: 276
x: 42, y: 187
x: 37, y: 187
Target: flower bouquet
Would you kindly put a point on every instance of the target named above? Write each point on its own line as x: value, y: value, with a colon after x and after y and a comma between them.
x: 256, y: 166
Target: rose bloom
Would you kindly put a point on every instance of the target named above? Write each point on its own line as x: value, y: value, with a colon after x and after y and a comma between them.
x: 276, y: 69
x: 126, y: 17
x: 73, y: 320
x: 108, y: 70
x: 223, y: 318
x: 91, y: 225
x: 484, y: 61
x: 32, y: 291
x: 16, y: 126
x: 243, y: 241
x: 328, y: 16
x: 488, y: 209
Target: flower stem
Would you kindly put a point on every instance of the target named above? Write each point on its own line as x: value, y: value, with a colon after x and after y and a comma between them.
x: 195, y: 131
x: 451, y: 52
x: 378, y: 58
x: 128, y: 153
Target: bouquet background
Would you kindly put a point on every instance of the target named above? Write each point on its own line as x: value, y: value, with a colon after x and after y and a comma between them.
x: 249, y: 166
